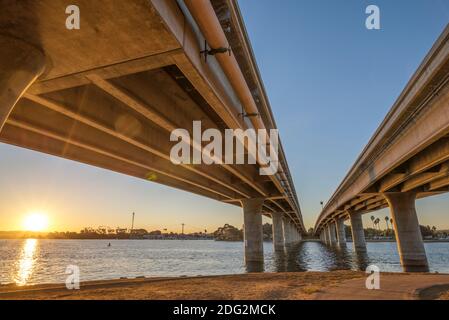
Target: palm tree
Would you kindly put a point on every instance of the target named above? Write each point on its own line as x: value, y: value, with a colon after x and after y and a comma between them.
x: 386, y: 221
x: 372, y: 219
x: 376, y: 222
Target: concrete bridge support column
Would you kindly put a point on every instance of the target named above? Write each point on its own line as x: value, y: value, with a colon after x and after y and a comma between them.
x: 295, y: 234
x: 287, y: 231
x: 253, y: 234
x: 358, y: 235
x: 325, y: 235
x: 20, y: 65
x: 408, y: 234
x: 291, y: 233
x: 332, y: 236
x: 341, y: 236
x: 278, y: 231
x: 284, y: 230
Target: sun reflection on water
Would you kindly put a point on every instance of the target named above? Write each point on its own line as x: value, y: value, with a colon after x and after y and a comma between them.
x: 26, y: 262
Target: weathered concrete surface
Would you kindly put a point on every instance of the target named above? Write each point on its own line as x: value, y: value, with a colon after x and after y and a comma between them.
x: 253, y: 232
x: 341, y: 236
x: 358, y: 235
x: 325, y: 236
x: 332, y: 235
x: 20, y: 65
x: 408, y: 234
x: 286, y: 231
x: 104, y: 37
x: 278, y: 231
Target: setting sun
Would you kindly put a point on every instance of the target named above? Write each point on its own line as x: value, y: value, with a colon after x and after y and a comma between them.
x: 35, y: 222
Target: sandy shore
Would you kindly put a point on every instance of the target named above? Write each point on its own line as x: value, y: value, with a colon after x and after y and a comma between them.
x: 292, y: 285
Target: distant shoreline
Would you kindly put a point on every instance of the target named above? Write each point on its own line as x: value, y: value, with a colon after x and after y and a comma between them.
x: 188, y: 238
x: 110, y: 239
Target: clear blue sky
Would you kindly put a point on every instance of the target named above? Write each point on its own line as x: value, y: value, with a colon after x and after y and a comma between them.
x: 330, y: 82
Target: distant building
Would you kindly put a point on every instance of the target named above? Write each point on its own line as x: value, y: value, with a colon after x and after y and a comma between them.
x: 121, y: 230
x: 139, y: 231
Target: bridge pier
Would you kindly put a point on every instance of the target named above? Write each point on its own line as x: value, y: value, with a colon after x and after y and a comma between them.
x: 287, y: 231
x: 358, y: 235
x: 332, y: 236
x: 20, y: 64
x: 291, y: 232
x: 325, y: 235
x: 341, y: 236
x: 408, y: 234
x: 253, y: 233
x: 295, y: 234
x: 298, y: 235
x: 278, y: 231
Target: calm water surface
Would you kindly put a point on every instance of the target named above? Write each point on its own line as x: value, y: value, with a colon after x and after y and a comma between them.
x: 44, y: 261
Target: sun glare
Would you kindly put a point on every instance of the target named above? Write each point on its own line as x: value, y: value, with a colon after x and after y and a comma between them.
x: 35, y: 222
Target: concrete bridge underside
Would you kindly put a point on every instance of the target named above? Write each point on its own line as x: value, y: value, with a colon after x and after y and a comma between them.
x: 406, y: 159
x: 110, y: 93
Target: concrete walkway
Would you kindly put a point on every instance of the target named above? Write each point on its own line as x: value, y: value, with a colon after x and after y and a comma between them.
x: 392, y: 287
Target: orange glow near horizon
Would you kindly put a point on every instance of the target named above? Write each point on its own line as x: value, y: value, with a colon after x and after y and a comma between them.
x: 36, y: 221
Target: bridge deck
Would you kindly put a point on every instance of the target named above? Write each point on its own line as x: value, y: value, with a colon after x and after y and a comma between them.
x: 409, y: 152
x: 113, y: 91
